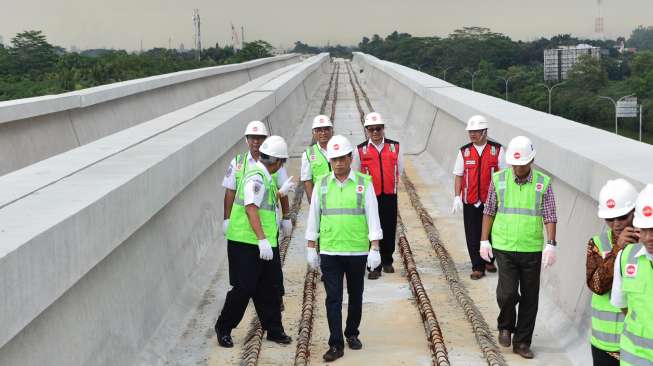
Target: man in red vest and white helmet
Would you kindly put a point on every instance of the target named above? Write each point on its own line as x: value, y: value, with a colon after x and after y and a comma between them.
x: 382, y: 159
x: 475, y: 164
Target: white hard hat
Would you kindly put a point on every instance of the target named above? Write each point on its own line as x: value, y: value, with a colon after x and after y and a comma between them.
x: 520, y: 151
x: 275, y: 146
x: 338, y: 146
x: 256, y: 128
x: 321, y: 121
x: 373, y: 118
x: 617, y: 198
x: 476, y: 123
x: 644, y: 209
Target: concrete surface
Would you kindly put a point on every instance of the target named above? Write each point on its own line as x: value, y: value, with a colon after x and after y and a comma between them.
x: 34, y: 129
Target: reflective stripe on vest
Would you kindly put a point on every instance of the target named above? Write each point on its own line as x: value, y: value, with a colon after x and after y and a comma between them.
x: 518, y: 224
x: 318, y: 162
x: 637, y: 283
x: 240, y: 229
x: 607, y: 320
x: 343, y: 222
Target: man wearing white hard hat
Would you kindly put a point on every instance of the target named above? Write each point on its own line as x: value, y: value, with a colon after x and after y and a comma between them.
x: 616, y: 206
x: 252, y: 234
x: 255, y: 134
x: 520, y: 201
x: 382, y: 159
x: 475, y: 164
x: 344, y: 216
x: 632, y: 287
x: 314, y: 161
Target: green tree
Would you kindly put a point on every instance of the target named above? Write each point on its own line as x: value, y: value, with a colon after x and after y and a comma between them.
x: 31, y: 53
x: 642, y: 38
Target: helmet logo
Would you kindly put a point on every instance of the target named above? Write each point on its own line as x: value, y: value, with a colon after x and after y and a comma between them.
x: 647, y: 211
x: 336, y: 147
x: 254, y: 129
x: 517, y: 155
x: 610, y: 203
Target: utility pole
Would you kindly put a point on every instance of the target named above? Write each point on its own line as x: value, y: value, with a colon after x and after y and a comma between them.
x: 550, y: 89
x: 641, y: 111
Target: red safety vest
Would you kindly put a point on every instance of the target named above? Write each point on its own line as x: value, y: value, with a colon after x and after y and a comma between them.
x: 383, y: 166
x: 478, y: 171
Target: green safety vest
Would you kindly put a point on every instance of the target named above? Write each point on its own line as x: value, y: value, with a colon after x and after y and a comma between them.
x: 319, y: 163
x: 241, y: 166
x: 343, y: 224
x: 518, y: 223
x: 607, y: 320
x: 637, y: 284
x: 239, y: 228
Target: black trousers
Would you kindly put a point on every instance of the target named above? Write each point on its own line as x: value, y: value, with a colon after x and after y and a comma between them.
x: 388, y: 217
x: 473, y: 220
x: 334, y: 269
x: 602, y: 358
x: 256, y: 279
x: 519, y: 273
x: 232, y: 268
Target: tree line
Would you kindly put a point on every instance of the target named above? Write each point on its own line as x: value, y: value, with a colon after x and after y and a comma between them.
x: 494, y: 57
x: 30, y: 66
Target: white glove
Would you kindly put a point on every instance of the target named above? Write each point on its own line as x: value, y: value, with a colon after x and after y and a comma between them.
x: 373, y: 259
x: 265, y: 250
x: 286, y: 227
x: 225, y: 226
x: 287, y: 187
x: 312, y: 258
x: 457, y: 205
x: 486, y: 250
x: 549, y: 255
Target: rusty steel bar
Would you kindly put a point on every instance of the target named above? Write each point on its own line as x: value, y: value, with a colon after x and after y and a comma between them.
x: 484, y: 336
x: 328, y: 91
x: 334, y: 100
x: 367, y: 100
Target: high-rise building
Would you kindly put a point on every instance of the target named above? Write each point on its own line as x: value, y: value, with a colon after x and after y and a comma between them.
x: 559, y: 61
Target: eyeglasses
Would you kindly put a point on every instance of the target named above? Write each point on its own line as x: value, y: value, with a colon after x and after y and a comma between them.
x: 322, y: 129
x: 374, y: 129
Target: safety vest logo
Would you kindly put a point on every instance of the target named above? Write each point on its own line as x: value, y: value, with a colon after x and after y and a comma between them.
x: 493, y: 150
x: 610, y: 203
x: 539, y: 187
x: 647, y: 211
x: 631, y: 270
x: 359, y: 189
x: 467, y: 153
x: 312, y: 157
x: 239, y: 166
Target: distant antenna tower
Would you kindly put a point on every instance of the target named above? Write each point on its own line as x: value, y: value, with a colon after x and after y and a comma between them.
x: 599, y: 28
x: 235, y: 41
x: 198, y: 33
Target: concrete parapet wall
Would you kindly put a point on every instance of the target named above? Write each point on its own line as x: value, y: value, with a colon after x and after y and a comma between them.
x: 34, y: 129
x: 98, y: 243
x: 578, y: 157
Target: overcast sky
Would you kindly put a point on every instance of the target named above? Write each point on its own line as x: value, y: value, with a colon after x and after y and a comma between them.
x: 124, y: 23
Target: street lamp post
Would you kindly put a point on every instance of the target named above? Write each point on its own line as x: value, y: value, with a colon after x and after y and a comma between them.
x: 616, y: 118
x: 444, y: 73
x: 550, y: 89
x: 473, y: 75
x: 507, y: 80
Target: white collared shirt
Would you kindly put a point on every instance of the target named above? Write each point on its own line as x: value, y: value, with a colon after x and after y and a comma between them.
x: 371, y: 213
x: 229, y: 181
x: 306, y: 172
x: 356, y: 161
x: 617, y: 296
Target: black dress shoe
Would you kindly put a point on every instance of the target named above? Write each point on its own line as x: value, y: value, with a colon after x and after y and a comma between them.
x: 388, y: 268
x: 333, y: 354
x: 374, y: 275
x: 504, y: 337
x: 354, y: 342
x: 224, y: 340
x: 523, y: 350
x: 281, y: 338
x: 490, y: 267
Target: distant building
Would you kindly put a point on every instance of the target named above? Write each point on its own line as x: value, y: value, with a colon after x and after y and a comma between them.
x: 559, y: 61
x: 279, y: 51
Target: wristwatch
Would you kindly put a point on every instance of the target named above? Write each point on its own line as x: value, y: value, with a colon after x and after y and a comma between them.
x: 552, y: 242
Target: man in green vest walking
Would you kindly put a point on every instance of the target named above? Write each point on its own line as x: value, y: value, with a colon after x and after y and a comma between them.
x: 520, y: 200
x: 632, y: 287
x: 616, y: 206
x: 314, y: 161
x: 344, y: 216
x: 255, y: 262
